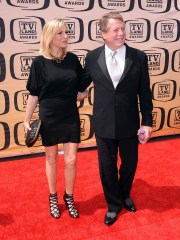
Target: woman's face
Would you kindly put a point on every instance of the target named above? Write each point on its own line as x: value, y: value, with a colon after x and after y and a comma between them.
x: 60, y: 39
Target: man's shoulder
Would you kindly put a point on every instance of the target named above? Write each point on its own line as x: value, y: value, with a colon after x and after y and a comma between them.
x: 135, y: 50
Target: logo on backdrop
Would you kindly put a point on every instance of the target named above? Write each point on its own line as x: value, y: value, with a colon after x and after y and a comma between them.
x: 4, y: 100
x: 173, y: 119
x: 138, y: 30
x: 5, y: 136
x: 2, y: 68
x: 29, y: 4
x: 26, y: 30
x: 167, y: 30
x: 2, y: 30
x: 155, y: 6
x: 177, y: 7
x: 164, y: 91
x: 94, y: 32
x: 158, y: 60
x: 20, y: 64
x: 158, y: 116
x: 86, y: 126
x: 20, y: 101
x: 81, y: 54
x: 118, y: 5
x: 75, y: 6
x: 91, y: 96
x: 75, y: 29
x: 176, y: 61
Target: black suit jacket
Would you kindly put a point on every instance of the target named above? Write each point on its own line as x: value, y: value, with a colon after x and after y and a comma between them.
x: 116, y: 111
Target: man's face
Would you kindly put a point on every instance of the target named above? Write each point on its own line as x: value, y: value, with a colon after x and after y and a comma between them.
x: 115, y: 36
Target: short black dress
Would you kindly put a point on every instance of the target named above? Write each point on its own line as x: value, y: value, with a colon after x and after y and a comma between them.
x: 56, y: 85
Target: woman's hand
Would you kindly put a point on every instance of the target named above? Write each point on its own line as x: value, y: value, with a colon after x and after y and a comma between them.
x: 82, y: 95
x: 26, y: 126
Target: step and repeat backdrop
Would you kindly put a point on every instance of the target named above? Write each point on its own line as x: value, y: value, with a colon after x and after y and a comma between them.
x: 151, y: 25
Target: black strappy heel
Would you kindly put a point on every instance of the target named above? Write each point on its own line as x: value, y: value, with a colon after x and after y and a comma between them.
x: 69, y: 202
x: 54, y: 208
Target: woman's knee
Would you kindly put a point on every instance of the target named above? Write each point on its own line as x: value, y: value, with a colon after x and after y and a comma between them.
x: 70, y: 162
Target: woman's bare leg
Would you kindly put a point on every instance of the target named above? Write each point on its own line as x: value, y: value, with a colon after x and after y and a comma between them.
x: 51, y: 166
x: 70, y: 156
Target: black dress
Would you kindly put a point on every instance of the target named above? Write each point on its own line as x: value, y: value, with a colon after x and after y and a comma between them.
x: 56, y: 85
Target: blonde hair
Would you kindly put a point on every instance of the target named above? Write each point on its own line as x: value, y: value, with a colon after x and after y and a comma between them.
x: 103, y: 22
x: 49, y: 30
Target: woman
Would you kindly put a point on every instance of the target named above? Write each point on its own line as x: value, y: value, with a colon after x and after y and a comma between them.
x: 53, y: 83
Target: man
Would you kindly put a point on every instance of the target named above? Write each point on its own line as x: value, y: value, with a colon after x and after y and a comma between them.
x: 116, y: 113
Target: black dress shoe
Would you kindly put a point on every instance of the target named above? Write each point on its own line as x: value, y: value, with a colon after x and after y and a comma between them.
x: 109, y: 220
x: 129, y: 205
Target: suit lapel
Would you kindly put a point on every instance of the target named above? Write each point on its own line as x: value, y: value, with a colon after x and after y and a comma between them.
x: 128, y: 63
x: 102, y: 63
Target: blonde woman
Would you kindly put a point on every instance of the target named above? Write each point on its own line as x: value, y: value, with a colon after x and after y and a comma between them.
x: 53, y: 83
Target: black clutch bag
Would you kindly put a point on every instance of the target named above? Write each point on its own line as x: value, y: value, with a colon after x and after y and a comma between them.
x: 32, y: 135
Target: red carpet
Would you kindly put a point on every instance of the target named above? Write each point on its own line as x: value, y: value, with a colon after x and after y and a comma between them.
x: 24, y: 210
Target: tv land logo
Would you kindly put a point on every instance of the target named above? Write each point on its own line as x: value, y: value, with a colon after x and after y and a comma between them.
x: 26, y: 30
x: 167, y: 30
x: 176, y: 61
x: 86, y: 126
x: 138, y: 30
x: 155, y: 6
x: 164, y: 91
x: 2, y: 67
x: 75, y: 6
x: 75, y: 29
x: 81, y: 54
x: 29, y: 4
x: 2, y: 30
x: 20, y: 64
x: 158, y: 116
x: 176, y: 5
x: 158, y: 60
x: 117, y: 5
x: 173, y: 119
x: 20, y: 101
x: 94, y: 32
x: 5, y: 103
x: 5, y: 136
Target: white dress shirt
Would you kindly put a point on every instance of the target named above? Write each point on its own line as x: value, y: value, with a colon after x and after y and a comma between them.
x: 120, y: 56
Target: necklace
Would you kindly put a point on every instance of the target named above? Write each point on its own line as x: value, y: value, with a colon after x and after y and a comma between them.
x: 58, y: 60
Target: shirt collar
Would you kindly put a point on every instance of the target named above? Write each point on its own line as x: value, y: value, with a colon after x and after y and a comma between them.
x: 120, y: 50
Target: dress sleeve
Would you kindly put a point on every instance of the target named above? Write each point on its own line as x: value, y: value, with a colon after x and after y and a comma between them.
x: 35, y: 80
x: 84, y: 78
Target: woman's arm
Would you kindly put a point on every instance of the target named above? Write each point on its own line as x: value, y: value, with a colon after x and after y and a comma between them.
x: 31, y: 105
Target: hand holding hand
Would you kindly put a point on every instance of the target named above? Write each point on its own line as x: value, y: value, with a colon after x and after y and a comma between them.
x: 82, y: 95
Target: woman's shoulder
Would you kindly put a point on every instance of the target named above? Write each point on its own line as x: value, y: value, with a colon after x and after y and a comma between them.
x: 38, y: 60
x: 72, y: 56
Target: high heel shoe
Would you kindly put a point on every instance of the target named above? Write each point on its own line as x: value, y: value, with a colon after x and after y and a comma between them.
x: 69, y: 202
x: 54, y: 208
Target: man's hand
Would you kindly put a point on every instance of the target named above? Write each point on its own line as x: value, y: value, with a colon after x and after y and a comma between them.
x: 147, y: 132
x: 82, y: 95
